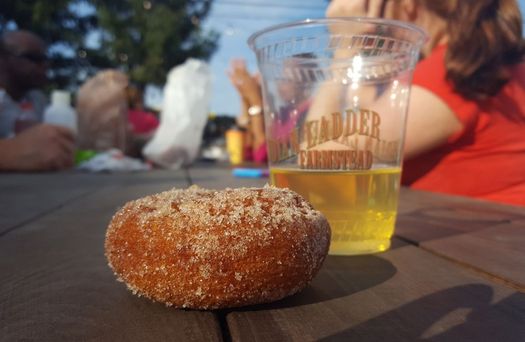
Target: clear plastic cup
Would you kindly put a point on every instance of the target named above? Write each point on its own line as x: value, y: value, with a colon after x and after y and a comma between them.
x: 335, y: 102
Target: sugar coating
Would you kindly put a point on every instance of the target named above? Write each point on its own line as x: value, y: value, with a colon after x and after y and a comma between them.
x: 206, y: 249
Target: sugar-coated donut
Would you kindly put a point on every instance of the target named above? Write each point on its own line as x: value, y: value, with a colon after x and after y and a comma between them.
x: 208, y: 249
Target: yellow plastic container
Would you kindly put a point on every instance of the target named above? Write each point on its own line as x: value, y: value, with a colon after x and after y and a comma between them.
x: 234, y: 145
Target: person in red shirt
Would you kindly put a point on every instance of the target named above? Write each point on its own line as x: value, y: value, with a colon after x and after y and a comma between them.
x: 466, y: 118
x: 143, y: 122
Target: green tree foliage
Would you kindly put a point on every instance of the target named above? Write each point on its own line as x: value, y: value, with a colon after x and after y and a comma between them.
x: 58, y: 24
x: 149, y: 37
x: 145, y: 38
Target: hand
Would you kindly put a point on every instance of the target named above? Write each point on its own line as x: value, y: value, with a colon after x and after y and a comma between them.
x: 40, y: 148
x: 361, y: 8
x: 247, y: 85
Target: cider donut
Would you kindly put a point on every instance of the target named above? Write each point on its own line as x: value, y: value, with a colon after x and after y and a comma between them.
x: 208, y: 249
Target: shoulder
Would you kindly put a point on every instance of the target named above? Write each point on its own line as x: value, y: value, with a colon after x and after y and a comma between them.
x: 432, y: 65
x: 431, y: 75
x: 431, y: 123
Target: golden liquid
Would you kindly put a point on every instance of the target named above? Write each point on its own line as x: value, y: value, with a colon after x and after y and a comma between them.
x: 360, y: 206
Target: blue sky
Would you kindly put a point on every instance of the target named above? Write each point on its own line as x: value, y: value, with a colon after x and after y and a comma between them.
x: 236, y: 21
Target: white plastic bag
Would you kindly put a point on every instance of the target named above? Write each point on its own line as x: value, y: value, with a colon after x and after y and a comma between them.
x: 184, y: 113
x: 113, y: 160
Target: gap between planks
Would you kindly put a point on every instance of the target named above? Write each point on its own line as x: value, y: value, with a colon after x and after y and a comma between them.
x: 473, y: 269
x: 47, y: 212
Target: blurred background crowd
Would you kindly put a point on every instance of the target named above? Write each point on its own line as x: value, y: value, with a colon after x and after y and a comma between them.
x: 121, y: 52
x: 143, y: 83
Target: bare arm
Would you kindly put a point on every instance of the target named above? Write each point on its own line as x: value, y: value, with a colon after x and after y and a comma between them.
x: 430, y: 122
x: 249, y: 89
x: 40, y: 148
x: 329, y: 96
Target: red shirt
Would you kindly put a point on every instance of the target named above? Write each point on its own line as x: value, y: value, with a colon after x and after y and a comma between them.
x: 142, y: 122
x: 487, y: 158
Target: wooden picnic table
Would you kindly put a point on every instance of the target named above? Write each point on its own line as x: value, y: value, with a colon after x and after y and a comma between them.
x: 455, y: 272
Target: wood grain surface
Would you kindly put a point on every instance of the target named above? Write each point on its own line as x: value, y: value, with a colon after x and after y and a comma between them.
x: 498, y: 251
x: 405, y: 294
x: 425, y: 216
x: 485, y: 236
x: 455, y: 273
x: 221, y: 177
x: 26, y: 197
x: 56, y: 285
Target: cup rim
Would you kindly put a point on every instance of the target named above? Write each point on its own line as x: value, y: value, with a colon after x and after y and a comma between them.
x: 390, y: 22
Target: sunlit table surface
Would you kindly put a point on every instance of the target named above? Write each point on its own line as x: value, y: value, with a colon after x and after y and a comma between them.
x: 455, y: 272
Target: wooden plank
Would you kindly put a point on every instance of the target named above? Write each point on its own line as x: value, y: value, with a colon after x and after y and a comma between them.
x: 412, y: 200
x: 56, y: 285
x: 25, y: 197
x: 498, y: 251
x: 221, y: 177
x: 405, y: 294
x: 425, y: 216
x: 416, y: 229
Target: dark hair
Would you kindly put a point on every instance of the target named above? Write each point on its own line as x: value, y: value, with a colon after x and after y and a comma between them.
x: 485, y: 38
x: 3, y: 47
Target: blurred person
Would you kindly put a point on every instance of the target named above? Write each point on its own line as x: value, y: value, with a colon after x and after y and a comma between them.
x: 466, y: 118
x: 25, y: 143
x: 294, y: 103
x: 142, y: 122
x: 251, y: 118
